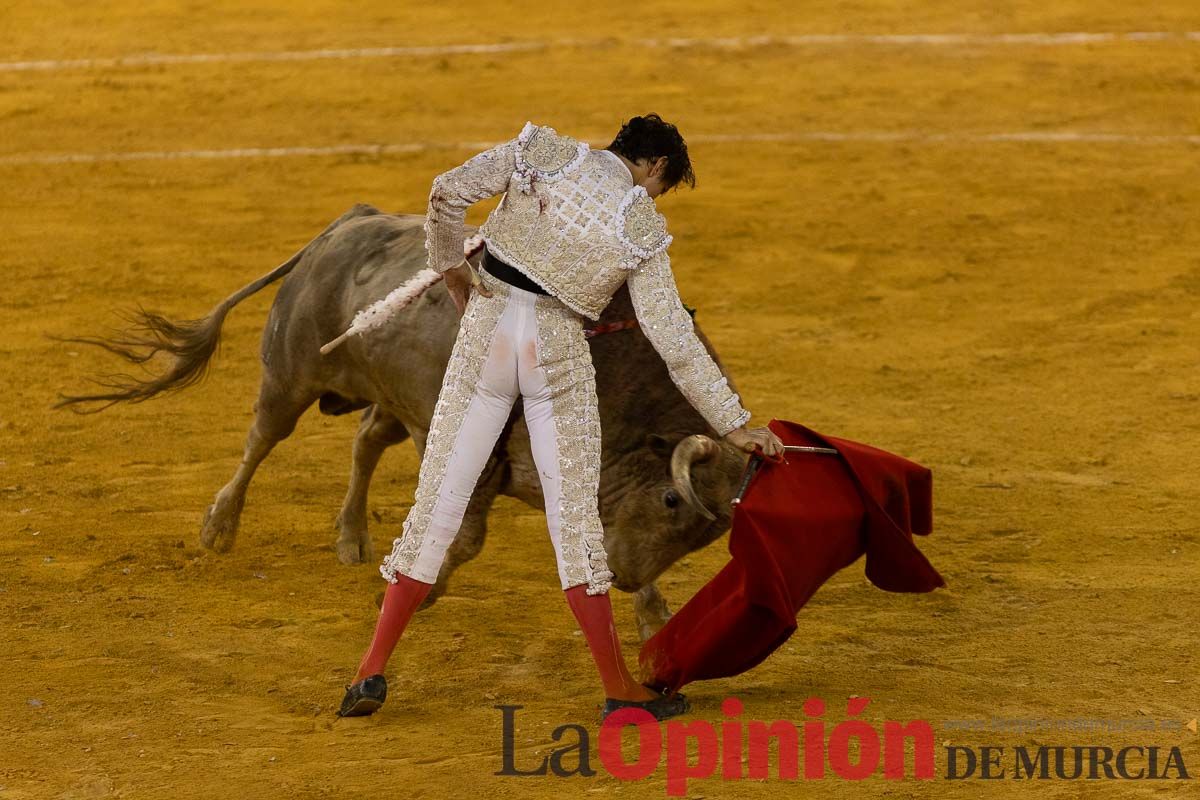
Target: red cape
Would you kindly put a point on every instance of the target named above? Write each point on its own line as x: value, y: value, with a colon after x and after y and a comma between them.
x: 797, y: 524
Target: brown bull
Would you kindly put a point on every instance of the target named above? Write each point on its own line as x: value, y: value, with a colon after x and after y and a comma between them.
x: 665, y: 482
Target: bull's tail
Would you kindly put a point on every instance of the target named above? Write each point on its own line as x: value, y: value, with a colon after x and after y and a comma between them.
x: 191, y: 342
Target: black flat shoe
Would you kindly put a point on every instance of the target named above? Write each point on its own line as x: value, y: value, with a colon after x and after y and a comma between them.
x: 662, y: 707
x: 364, y: 697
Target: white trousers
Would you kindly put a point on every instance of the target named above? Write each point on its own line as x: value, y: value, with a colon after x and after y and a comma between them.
x: 514, y: 344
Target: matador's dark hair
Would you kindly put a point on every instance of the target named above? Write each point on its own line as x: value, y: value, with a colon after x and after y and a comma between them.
x: 652, y: 137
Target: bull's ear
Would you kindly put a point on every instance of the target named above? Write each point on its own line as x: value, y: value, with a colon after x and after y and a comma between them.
x: 660, y: 445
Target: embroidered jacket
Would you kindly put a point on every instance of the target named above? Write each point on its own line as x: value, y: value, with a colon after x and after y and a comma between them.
x: 574, y: 222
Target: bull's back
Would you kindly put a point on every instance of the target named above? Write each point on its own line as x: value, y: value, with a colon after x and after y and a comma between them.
x: 365, y: 255
x: 360, y: 262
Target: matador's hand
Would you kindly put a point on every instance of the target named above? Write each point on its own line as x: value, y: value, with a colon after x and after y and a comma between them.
x: 460, y: 281
x: 745, y: 438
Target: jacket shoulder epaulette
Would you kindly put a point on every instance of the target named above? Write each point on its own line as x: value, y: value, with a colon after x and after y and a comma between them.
x: 640, y: 227
x: 545, y: 154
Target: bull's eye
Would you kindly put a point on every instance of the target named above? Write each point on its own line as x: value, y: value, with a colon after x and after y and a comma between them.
x: 670, y: 498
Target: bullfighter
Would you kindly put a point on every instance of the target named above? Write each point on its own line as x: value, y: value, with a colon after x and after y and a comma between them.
x: 573, y: 226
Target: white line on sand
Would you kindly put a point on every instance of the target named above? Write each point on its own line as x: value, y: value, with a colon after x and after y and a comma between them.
x: 730, y: 42
x: 918, y: 137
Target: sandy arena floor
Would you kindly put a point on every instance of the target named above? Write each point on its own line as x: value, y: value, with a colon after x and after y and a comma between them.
x: 1017, y: 312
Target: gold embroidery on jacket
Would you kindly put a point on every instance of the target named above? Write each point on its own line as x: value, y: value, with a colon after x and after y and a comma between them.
x: 547, y: 154
x: 573, y: 221
x: 643, y: 229
x: 671, y: 330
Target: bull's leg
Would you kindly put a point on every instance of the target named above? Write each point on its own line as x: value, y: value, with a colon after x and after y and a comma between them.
x: 471, y: 535
x: 275, y: 414
x: 650, y: 608
x: 378, y: 431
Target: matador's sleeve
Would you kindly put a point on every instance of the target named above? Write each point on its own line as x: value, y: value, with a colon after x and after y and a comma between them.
x: 670, y: 329
x: 480, y: 177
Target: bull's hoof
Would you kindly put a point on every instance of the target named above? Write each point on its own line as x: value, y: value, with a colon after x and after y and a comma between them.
x: 646, y: 630
x: 353, y: 543
x: 650, y: 610
x: 218, y: 531
x: 354, y: 552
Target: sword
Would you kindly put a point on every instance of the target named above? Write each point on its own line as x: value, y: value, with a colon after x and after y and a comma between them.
x: 796, y: 448
x: 751, y: 469
x: 756, y: 462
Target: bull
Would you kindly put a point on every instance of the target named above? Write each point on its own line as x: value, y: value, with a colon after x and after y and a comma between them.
x: 665, y: 479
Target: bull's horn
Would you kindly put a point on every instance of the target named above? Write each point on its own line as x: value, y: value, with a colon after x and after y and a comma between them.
x: 691, y: 450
